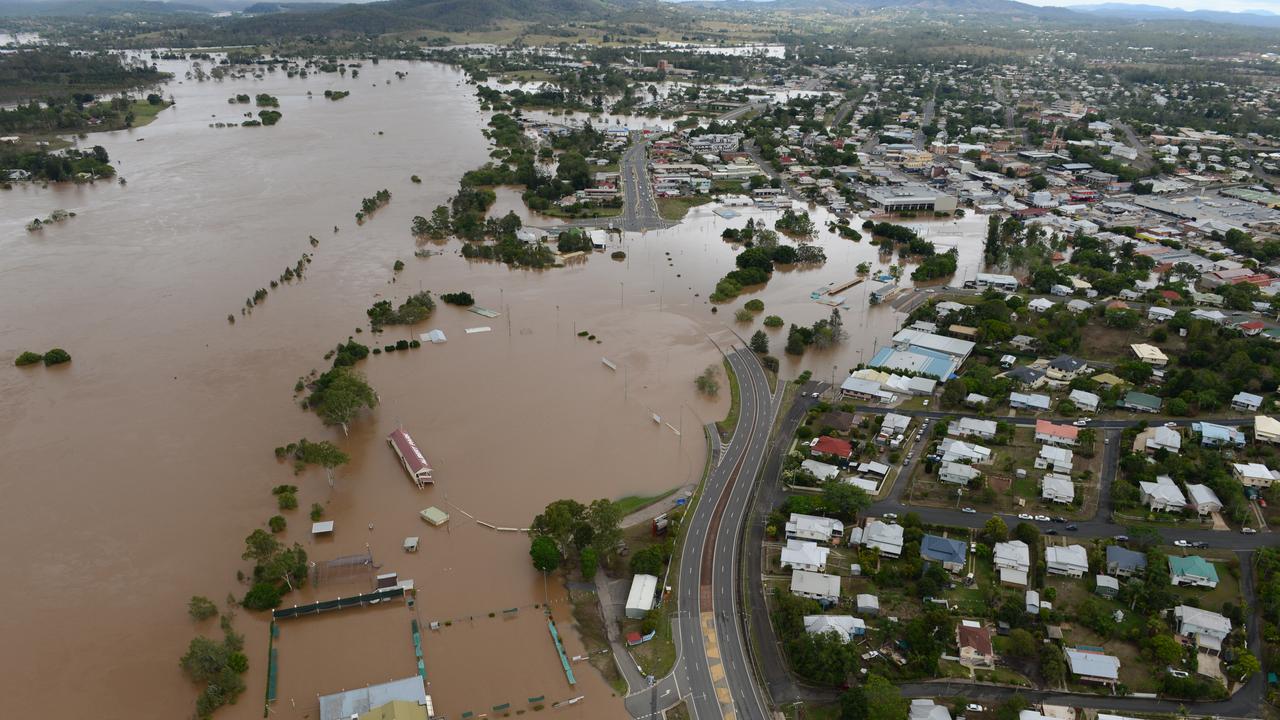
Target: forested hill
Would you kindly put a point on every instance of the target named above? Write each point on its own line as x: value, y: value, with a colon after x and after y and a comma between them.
x: 400, y: 15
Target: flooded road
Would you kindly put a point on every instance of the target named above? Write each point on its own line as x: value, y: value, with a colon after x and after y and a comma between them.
x: 132, y: 474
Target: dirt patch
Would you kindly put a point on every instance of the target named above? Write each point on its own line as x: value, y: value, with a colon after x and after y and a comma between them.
x: 590, y: 624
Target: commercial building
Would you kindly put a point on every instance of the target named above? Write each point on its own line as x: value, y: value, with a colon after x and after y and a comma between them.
x: 908, y: 198
x: 640, y: 600
x: 410, y: 691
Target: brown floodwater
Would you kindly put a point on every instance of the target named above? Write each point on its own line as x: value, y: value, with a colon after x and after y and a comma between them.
x: 131, y: 475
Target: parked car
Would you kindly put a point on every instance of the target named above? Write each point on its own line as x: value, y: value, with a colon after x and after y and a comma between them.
x: 1051, y: 531
x: 1072, y: 527
x: 1042, y: 518
x: 1179, y: 673
x: 1181, y: 543
x: 1024, y: 516
x: 890, y: 516
x: 1059, y: 519
x: 1200, y: 544
x: 1249, y: 530
x: 1120, y: 538
x: 974, y: 707
x: 969, y: 510
x: 1081, y: 422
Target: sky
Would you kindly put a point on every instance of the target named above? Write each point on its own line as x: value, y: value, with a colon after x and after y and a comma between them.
x: 1227, y: 5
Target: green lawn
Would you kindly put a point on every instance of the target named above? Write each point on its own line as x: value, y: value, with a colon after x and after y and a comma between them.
x: 144, y: 112
x: 731, y: 420
x: 657, y: 656
x: 677, y: 207
x: 632, y: 503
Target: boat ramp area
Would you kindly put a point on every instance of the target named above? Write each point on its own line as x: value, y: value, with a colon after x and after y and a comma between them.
x: 831, y: 293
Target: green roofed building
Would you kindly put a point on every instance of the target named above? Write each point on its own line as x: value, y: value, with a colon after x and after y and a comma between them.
x: 1141, y: 402
x: 1192, y: 570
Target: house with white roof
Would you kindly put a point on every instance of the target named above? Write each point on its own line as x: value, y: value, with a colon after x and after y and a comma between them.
x: 1253, y: 474
x: 1078, y: 306
x: 1266, y: 429
x: 804, y: 555
x: 1203, y: 499
x: 884, y: 537
x: 845, y: 627
x: 1040, y: 305
x: 1161, y: 438
x: 1246, y: 402
x: 957, y: 473
x: 1057, y: 459
x: 1201, y: 628
x: 816, y: 586
x: 1092, y: 666
x: 1157, y: 313
x: 867, y: 604
x: 926, y: 709
x: 1028, y: 401
x: 1085, y: 400
x: 1163, y: 494
x: 820, y: 470
x: 817, y: 529
x: 1214, y: 435
x: 1013, y: 561
x: 893, y: 424
x: 1071, y: 560
x: 952, y: 450
x: 973, y: 427
x: 1058, y: 488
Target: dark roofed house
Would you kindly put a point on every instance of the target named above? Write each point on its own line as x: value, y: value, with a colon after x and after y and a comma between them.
x: 950, y: 553
x: 410, y: 457
x: 1123, y: 562
x: 1025, y: 375
x: 838, y: 420
x: 974, y: 642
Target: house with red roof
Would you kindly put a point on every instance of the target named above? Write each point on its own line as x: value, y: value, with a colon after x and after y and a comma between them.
x: 1055, y: 434
x: 1253, y: 327
x: 410, y: 457
x: 974, y: 642
x: 835, y: 447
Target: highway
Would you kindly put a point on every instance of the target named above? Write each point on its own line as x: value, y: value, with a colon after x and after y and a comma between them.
x: 719, y: 683
x: 639, y: 208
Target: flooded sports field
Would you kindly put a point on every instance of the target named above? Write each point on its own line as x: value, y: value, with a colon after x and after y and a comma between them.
x: 132, y: 474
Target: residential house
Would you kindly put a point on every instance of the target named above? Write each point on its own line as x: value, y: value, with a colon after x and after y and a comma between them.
x: 1157, y: 313
x: 1203, y: 499
x: 1141, y: 402
x: 831, y: 447
x: 957, y: 473
x: 1093, y: 666
x: 1214, y: 316
x: 1192, y: 570
x: 952, y: 450
x: 1032, y: 603
x: 869, y: 390
x: 1085, y: 400
x: 1253, y: 474
x: 1025, y: 343
x: 804, y: 555
x: 845, y: 627
x: 1214, y: 435
x: 816, y: 586
x: 877, y: 469
x: 1064, y: 368
x: 1201, y: 628
x: 1040, y: 305
x: 820, y: 470
x: 974, y: 642
x: 1055, y: 434
x: 1013, y: 561
x: 1057, y: 488
x: 884, y: 537
x: 893, y: 425
x: 816, y: 529
x: 985, y: 429
x: 974, y: 400
x: 1123, y: 562
x: 1054, y: 458
x: 1246, y: 402
x: 1159, y: 438
x: 1030, y: 377
x: 1108, y: 380
x: 1149, y: 354
x: 1033, y: 402
x: 1078, y: 306
x: 925, y: 709
x: 1071, y: 560
x: 1266, y: 429
x: 867, y: 604
x: 947, y: 551
x: 1163, y: 494
x: 1106, y: 586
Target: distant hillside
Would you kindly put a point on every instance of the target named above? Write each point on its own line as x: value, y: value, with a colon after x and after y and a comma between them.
x: 95, y: 8
x: 1252, y: 18
x: 401, y: 15
x: 1005, y: 8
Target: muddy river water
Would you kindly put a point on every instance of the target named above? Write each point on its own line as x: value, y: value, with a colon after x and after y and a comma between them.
x: 131, y: 475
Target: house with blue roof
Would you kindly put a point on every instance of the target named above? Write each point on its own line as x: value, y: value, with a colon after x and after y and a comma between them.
x: 1214, y: 435
x: 950, y: 553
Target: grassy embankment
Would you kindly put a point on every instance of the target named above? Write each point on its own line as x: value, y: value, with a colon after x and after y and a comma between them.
x: 675, y: 208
